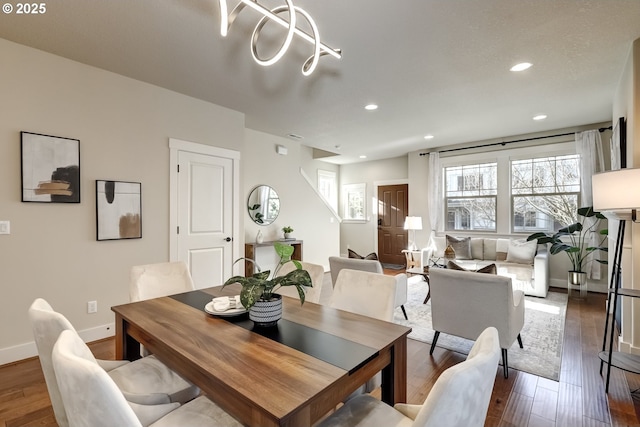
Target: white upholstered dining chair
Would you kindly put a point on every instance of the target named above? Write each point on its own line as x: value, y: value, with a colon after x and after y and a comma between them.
x: 92, y: 398
x: 460, y: 396
x: 145, y: 380
x: 159, y: 280
x: 368, y: 294
x: 316, y: 272
x: 336, y: 264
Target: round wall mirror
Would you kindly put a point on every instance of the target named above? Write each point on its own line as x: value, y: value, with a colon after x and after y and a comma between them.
x: 263, y: 205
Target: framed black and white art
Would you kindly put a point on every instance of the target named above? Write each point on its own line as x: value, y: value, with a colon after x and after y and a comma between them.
x: 118, y: 210
x: 50, y: 168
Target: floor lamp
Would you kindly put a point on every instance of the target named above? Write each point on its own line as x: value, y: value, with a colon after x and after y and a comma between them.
x: 413, y: 223
x: 616, y: 194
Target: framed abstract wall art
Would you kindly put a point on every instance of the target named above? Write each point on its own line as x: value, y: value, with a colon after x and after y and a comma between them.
x: 50, y: 168
x: 118, y: 210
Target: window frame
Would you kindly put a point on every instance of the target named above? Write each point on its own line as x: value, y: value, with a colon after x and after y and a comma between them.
x: 513, y: 196
x: 359, y: 190
x: 503, y: 157
x: 460, y: 184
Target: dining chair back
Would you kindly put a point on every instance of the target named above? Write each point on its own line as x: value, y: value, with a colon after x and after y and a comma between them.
x: 460, y: 396
x: 146, y: 380
x: 316, y: 272
x: 92, y: 398
x: 47, y: 326
x: 365, y: 293
x: 159, y: 280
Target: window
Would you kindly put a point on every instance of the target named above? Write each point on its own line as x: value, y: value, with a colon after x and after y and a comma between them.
x: 355, y: 206
x: 544, y: 193
x: 470, y: 197
x: 327, y: 188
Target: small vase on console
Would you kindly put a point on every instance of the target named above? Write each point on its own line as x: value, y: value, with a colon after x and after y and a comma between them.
x: 259, y: 237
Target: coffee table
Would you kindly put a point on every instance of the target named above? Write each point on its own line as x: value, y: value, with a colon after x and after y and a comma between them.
x: 419, y: 270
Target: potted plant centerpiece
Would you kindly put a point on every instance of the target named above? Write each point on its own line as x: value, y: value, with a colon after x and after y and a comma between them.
x: 258, y: 294
x: 287, y: 231
x: 574, y: 241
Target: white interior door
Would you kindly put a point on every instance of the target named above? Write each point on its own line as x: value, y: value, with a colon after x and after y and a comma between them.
x: 204, y: 225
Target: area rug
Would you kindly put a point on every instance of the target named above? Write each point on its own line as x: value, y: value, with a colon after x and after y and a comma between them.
x: 542, y: 334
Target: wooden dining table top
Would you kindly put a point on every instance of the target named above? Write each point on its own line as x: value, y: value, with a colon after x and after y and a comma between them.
x: 250, y: 373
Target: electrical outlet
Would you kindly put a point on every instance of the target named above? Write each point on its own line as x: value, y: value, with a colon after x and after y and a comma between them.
x: 92, y: 307
x: 5, y: 227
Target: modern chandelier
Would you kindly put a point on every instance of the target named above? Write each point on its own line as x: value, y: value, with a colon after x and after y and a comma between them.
x: 320, y: 49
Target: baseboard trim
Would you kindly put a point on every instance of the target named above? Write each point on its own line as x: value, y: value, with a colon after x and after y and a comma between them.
x: 28, y: 350
x: 560, y: 283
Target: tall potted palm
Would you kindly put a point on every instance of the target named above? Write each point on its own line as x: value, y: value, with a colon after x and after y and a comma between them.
x: 574, y: 241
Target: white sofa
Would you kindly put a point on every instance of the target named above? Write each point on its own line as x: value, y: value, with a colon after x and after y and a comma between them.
x: 528, y: 274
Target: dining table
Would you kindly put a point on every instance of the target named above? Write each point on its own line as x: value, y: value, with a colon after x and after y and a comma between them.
x: 290, y: 374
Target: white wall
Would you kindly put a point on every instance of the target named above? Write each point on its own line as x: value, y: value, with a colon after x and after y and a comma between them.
x: 124, y: 127
x: 626, y: 103
x: 300, y: 207
x: 362, y: 237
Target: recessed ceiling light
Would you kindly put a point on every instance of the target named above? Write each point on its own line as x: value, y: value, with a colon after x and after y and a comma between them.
x: 371, y: 107
x: 363, y: 157
x: 521, y: 66
x: 428, y: 136
x: 540, y: 117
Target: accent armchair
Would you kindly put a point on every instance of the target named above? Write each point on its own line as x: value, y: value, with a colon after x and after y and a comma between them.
x: 465, y: 303
x: 460, y: 397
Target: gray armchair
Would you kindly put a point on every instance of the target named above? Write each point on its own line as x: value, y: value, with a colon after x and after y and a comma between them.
x: 465, y: 303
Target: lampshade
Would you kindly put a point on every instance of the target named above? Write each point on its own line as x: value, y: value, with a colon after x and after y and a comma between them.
x: 413, y: 223
x: 616, y: 190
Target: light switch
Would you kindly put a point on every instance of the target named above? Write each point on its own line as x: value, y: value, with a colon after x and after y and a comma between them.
x: 5, y: 227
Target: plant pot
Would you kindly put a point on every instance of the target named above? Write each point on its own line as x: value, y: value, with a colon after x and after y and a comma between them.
x: 577, y: 284
x: 287, y: 235
x: 266, y: 313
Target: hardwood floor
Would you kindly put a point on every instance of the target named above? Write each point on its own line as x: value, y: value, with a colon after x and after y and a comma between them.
x: 578, y: 399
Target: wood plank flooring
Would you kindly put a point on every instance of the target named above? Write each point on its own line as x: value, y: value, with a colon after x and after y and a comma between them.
x: 522, y: 400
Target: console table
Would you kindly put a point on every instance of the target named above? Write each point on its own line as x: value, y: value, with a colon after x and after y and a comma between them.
x: 250, y: 252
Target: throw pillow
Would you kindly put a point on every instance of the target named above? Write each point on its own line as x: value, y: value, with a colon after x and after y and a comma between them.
x: 488, y: 269
x: 461, y: 245
x: 354, y: 254
x: 502, y: 247
x: 521, y: 251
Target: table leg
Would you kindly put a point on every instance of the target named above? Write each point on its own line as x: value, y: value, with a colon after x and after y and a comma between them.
x: 426, y: 278
x: 394, y: 375
x: 126, y: 347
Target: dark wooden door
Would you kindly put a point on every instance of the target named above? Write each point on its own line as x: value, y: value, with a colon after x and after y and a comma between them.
x: 392, y: 209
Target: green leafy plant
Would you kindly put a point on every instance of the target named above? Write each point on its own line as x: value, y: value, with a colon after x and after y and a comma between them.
x: 287, y: 229
x: 573, y: 239
x: 261, y: 287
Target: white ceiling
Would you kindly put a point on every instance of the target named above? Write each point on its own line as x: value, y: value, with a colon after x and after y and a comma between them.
x: 436, y: 67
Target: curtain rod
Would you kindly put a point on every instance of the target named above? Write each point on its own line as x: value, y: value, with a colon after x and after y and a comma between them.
x: 503, y: 143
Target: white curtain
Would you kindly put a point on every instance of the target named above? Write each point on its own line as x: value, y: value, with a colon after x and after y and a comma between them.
x: 589, y: 147
x: 434, y: 198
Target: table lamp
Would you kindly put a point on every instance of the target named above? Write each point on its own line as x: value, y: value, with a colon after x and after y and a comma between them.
x: 413, y: 223
x: 616, y: 194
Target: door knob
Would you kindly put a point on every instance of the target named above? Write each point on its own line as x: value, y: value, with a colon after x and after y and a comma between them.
x: 228, y: 239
